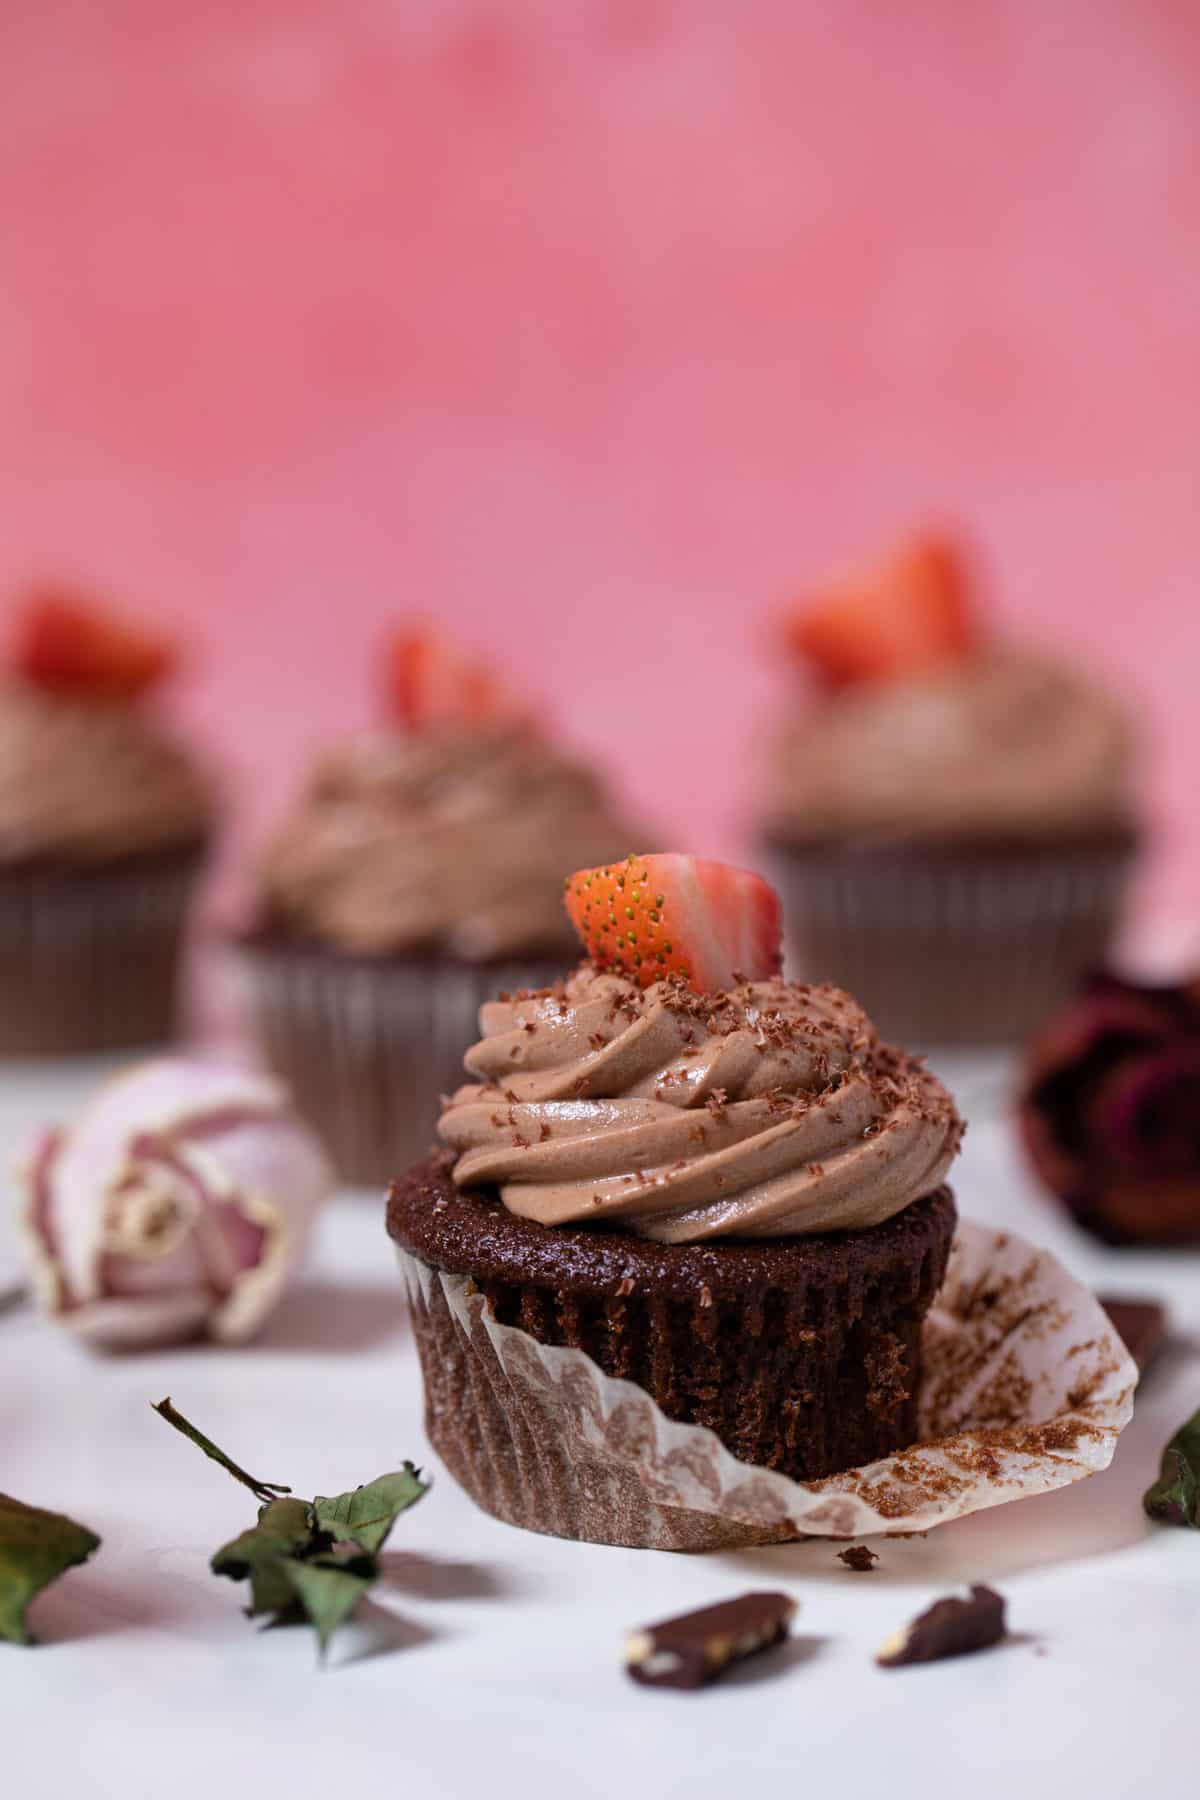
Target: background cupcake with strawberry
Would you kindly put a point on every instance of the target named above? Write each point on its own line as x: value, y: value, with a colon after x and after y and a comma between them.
x: 104, y: 827
x: 951, y: 820
x: 420, y: 871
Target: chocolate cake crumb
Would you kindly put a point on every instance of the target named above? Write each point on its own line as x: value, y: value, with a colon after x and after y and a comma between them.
x: 859, y: 1558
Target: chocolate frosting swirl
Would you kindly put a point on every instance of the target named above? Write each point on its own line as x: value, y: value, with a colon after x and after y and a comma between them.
x: 1000, y: 744
x: 772, y: 1110
x: 90, y: 781
x: 452, y: 841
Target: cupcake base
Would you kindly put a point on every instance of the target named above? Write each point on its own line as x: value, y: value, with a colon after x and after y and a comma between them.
x: 963, y: 944
x: 800, y: 1355
x: 89, y: 957
x: 368, y: 1043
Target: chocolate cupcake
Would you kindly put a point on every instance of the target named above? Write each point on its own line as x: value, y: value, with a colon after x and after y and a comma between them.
x: 732, y: 1198
x: 104, y: 826
x: 951, y: 824
x: 421, y: 872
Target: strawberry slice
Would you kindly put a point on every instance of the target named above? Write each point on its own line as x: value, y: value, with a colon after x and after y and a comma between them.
x: 429, y: 683
x: 652, y: 916
x: 71, y: 646
x: 905, y: 613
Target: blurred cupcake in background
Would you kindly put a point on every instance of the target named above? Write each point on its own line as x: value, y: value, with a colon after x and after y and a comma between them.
x: 421, y: 870
x: 950, y: 818
x: 104, y: 826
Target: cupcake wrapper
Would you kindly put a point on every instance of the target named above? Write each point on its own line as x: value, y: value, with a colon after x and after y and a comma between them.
x: 367, y: 1046
x: 946, y: 951
x: 90, y: 961
x: 1025, y: 1388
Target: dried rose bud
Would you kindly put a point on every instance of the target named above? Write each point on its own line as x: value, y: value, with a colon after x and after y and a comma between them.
x: 1110, y: 1111
x: 175, y: 1206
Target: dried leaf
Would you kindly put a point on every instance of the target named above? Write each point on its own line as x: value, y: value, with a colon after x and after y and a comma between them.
x: 285, y: 1528
x: 36, y: 1547
x: 329, y: 1586
x: 307, y: 1559
x: 1175, y: 1497
x: 366, y: 1515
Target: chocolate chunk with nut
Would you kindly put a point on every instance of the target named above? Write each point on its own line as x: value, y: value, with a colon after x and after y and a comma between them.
x: 951, y: 1627
x: 1141, y: 1326
x: 696, y: 1647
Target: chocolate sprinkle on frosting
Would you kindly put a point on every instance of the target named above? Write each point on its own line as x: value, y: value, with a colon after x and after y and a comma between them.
x: 770, y: 1110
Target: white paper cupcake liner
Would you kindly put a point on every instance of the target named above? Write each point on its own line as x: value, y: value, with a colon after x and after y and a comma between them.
x: 1025, y: 1388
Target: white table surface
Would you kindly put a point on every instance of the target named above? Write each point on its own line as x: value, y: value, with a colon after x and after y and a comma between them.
x: 489, y: 1663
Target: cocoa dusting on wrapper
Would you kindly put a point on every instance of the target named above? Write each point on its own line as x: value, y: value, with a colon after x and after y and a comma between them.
x: 1025, y: 1389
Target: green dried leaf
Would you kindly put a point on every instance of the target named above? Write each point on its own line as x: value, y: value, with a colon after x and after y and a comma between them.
x: 262, y: 1490
x: 1175, y: 1497
x: 36, y: 1547
x: 366, y: 1515
x: 313, y: 1560
x: 329, y: 1586
x: 285, y: 1528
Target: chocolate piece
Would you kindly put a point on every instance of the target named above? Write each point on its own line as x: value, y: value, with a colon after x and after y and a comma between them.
x: 948, y: 1628
x: 1141, y: 1326
x: 858, y: 1557
x: 696, y: 1647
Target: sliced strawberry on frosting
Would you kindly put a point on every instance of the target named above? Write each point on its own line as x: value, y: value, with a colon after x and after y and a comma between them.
x: 906, y: 612
x: 71, y: 646
x: 429, y: 682
x: 651, y: 916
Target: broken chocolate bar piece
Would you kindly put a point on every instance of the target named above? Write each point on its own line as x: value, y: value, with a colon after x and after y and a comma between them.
x: 949, y: 1628
x: 858, y: 1557
x: 693, y: 1649
x: 1141, y: 1326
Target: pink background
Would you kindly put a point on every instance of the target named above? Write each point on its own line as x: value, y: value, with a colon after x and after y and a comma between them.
x: 593, y: 326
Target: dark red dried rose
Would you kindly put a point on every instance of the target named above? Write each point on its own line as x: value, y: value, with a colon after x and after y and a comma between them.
x: 1110, y: 1110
